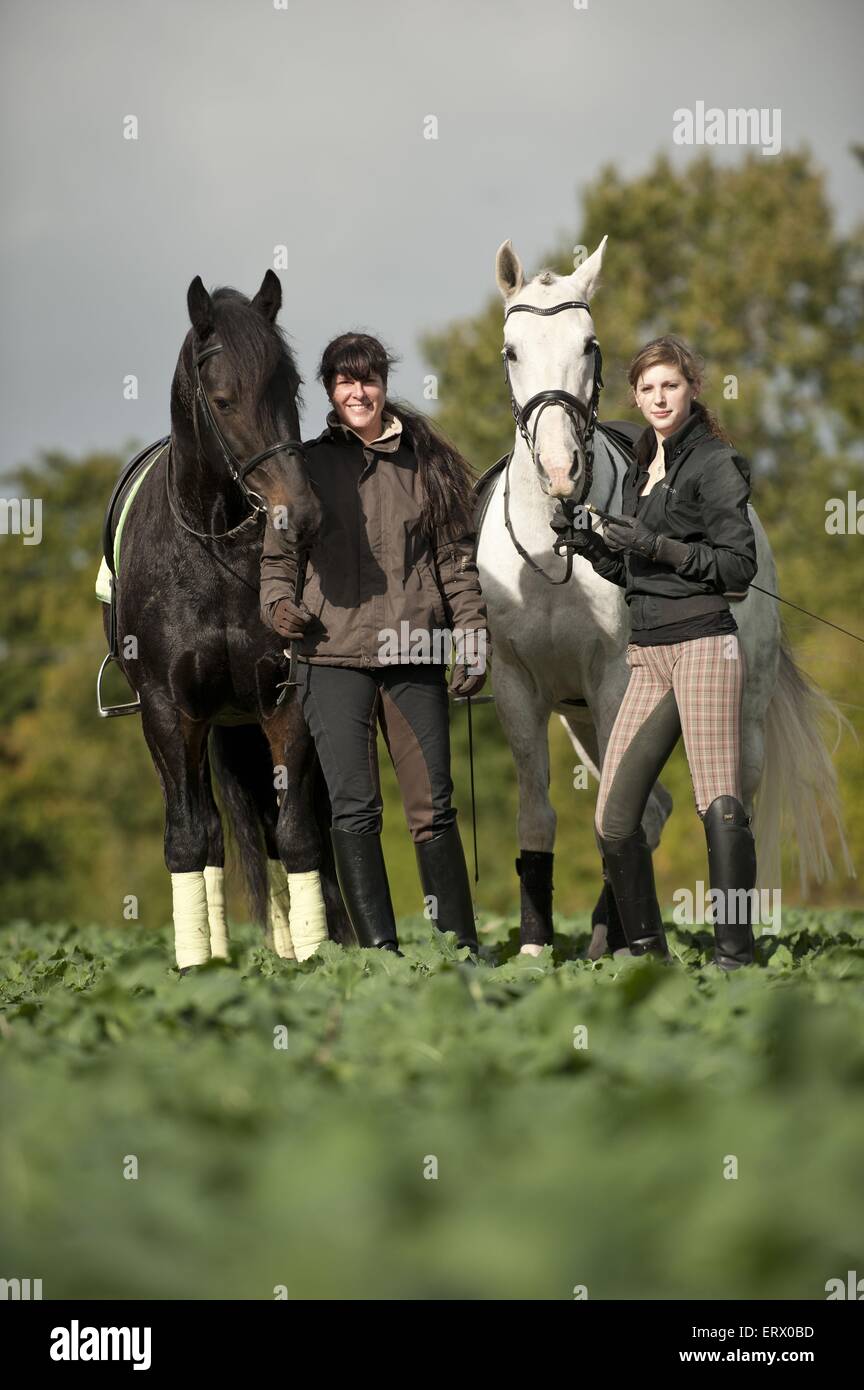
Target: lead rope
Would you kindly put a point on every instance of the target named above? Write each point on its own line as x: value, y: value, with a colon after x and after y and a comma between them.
x: 799, y: 609
x: 473, y: 802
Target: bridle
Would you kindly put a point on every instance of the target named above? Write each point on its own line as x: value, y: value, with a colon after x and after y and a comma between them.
x: 583, y: 418
x: 237, y: 470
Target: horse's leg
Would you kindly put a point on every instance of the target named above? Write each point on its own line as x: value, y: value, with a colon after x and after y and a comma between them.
x: 214, y: 869
x: 175, y: 741
x: 305, y: 867
x: 607, y: 934
x: 524, y: 714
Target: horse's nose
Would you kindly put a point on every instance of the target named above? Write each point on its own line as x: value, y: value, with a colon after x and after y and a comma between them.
x: 307, y: 520
x: 561, y: 482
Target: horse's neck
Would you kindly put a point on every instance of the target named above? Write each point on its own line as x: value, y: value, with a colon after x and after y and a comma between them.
x: 210, y: 498
x: 609, y: 472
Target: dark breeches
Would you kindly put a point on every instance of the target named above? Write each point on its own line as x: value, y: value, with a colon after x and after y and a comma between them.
x: 343, y: 705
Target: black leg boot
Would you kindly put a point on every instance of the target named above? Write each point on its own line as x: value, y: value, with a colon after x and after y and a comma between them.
x: 534, y: 867
x: 362, y: 878
x: 731, y: 867
x: 631, y: 873
x: 444, y: 876
x: 606, y: 911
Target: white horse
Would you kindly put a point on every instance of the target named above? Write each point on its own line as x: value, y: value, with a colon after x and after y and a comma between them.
x: 560, y: 646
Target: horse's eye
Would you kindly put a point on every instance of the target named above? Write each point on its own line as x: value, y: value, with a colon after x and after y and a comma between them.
x: 590, y: 345
x: 509, y: 353
x: 221, y: 403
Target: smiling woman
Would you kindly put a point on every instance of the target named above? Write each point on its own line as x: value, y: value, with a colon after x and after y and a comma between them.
x: 394, y: 554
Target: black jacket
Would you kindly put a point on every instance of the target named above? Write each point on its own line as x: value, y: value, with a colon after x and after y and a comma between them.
x: 702, y: 500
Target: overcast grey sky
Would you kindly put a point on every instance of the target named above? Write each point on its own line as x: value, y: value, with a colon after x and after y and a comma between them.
x: 260, y: 127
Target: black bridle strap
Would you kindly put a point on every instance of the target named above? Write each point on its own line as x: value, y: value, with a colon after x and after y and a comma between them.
x: 239, y: 472
x: 529, y: 560
x: 553, y: 309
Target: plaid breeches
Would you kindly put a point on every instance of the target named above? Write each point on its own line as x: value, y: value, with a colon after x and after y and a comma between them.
x: 695, y: 688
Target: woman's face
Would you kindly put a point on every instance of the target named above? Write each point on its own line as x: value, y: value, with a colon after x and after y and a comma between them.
x: 359, y: 404
x: 664, y: 396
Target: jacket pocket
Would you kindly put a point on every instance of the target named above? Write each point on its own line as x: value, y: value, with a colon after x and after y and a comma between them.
x: 683, y: 516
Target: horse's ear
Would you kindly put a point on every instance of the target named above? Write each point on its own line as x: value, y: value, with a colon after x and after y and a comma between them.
x: 508, y: 271
x: 268, y: 300
x: 588, y: 273
x: 200, y: 307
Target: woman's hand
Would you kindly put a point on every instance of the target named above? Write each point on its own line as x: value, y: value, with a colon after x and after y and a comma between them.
x: 291, y: 619
x: 628, y: 533
x: 469, y: 671
x: 572, y: 526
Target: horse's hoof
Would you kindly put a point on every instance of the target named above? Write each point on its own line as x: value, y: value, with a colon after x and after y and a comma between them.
x: 531, y: 949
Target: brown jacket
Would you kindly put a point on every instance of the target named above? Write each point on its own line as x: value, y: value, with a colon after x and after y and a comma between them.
x: 371, y: 568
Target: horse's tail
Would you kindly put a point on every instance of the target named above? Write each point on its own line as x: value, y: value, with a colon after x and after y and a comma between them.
x: 238, y: 754
x: 798, y: 788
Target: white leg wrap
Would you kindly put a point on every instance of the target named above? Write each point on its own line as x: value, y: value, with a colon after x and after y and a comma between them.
x: 214, y: 882
x: 308, y: 916
x: 191, y: 926
x: 278, y: 928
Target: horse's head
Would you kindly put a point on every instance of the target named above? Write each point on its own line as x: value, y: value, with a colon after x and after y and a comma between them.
x: 552, y: 361
x: 245, y: 415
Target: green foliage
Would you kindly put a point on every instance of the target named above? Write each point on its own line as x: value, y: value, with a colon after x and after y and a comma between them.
x: 558, y: 1165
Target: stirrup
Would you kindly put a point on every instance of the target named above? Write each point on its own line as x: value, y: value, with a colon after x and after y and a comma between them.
x: 111, y: 711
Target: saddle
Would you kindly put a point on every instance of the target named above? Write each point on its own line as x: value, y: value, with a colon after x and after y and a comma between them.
x: 116, y: 512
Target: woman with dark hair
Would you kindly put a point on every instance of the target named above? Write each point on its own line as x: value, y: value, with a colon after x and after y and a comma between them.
x: 682, y: 548
x: 389, y: 577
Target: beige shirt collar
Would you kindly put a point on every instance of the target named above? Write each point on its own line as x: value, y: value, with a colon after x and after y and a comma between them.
x: 388, y: 440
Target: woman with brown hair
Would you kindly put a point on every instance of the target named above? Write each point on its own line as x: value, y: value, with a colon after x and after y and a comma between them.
x: 682, y: 548
x: 390, y: 574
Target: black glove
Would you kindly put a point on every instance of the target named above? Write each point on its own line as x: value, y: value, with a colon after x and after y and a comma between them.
x: 628, y: 533
x: 571, y: 523
x: 468, y: 676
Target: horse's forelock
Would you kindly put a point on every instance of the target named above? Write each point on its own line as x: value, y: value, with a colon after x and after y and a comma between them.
x: 257, y: 349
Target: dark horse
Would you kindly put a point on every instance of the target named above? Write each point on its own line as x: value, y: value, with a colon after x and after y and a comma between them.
x: 192, y: 643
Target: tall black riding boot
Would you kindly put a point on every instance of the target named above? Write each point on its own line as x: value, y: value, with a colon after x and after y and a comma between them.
x: 444, y: 876
x: 630, y: 871
x: 731, y: 867
x: 606, y: 911
x: 362, y: 878
x: 534, y: 867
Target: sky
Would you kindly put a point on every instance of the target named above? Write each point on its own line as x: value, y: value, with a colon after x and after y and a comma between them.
x: 302, y: 125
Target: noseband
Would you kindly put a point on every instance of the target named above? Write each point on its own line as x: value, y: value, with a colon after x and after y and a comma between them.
x: 238, y: 471
x: 583, y: 418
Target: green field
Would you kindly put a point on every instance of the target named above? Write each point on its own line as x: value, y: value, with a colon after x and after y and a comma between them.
x: 302, y: 1166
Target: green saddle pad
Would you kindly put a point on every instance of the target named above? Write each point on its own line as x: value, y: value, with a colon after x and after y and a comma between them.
x: 103, y: 578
